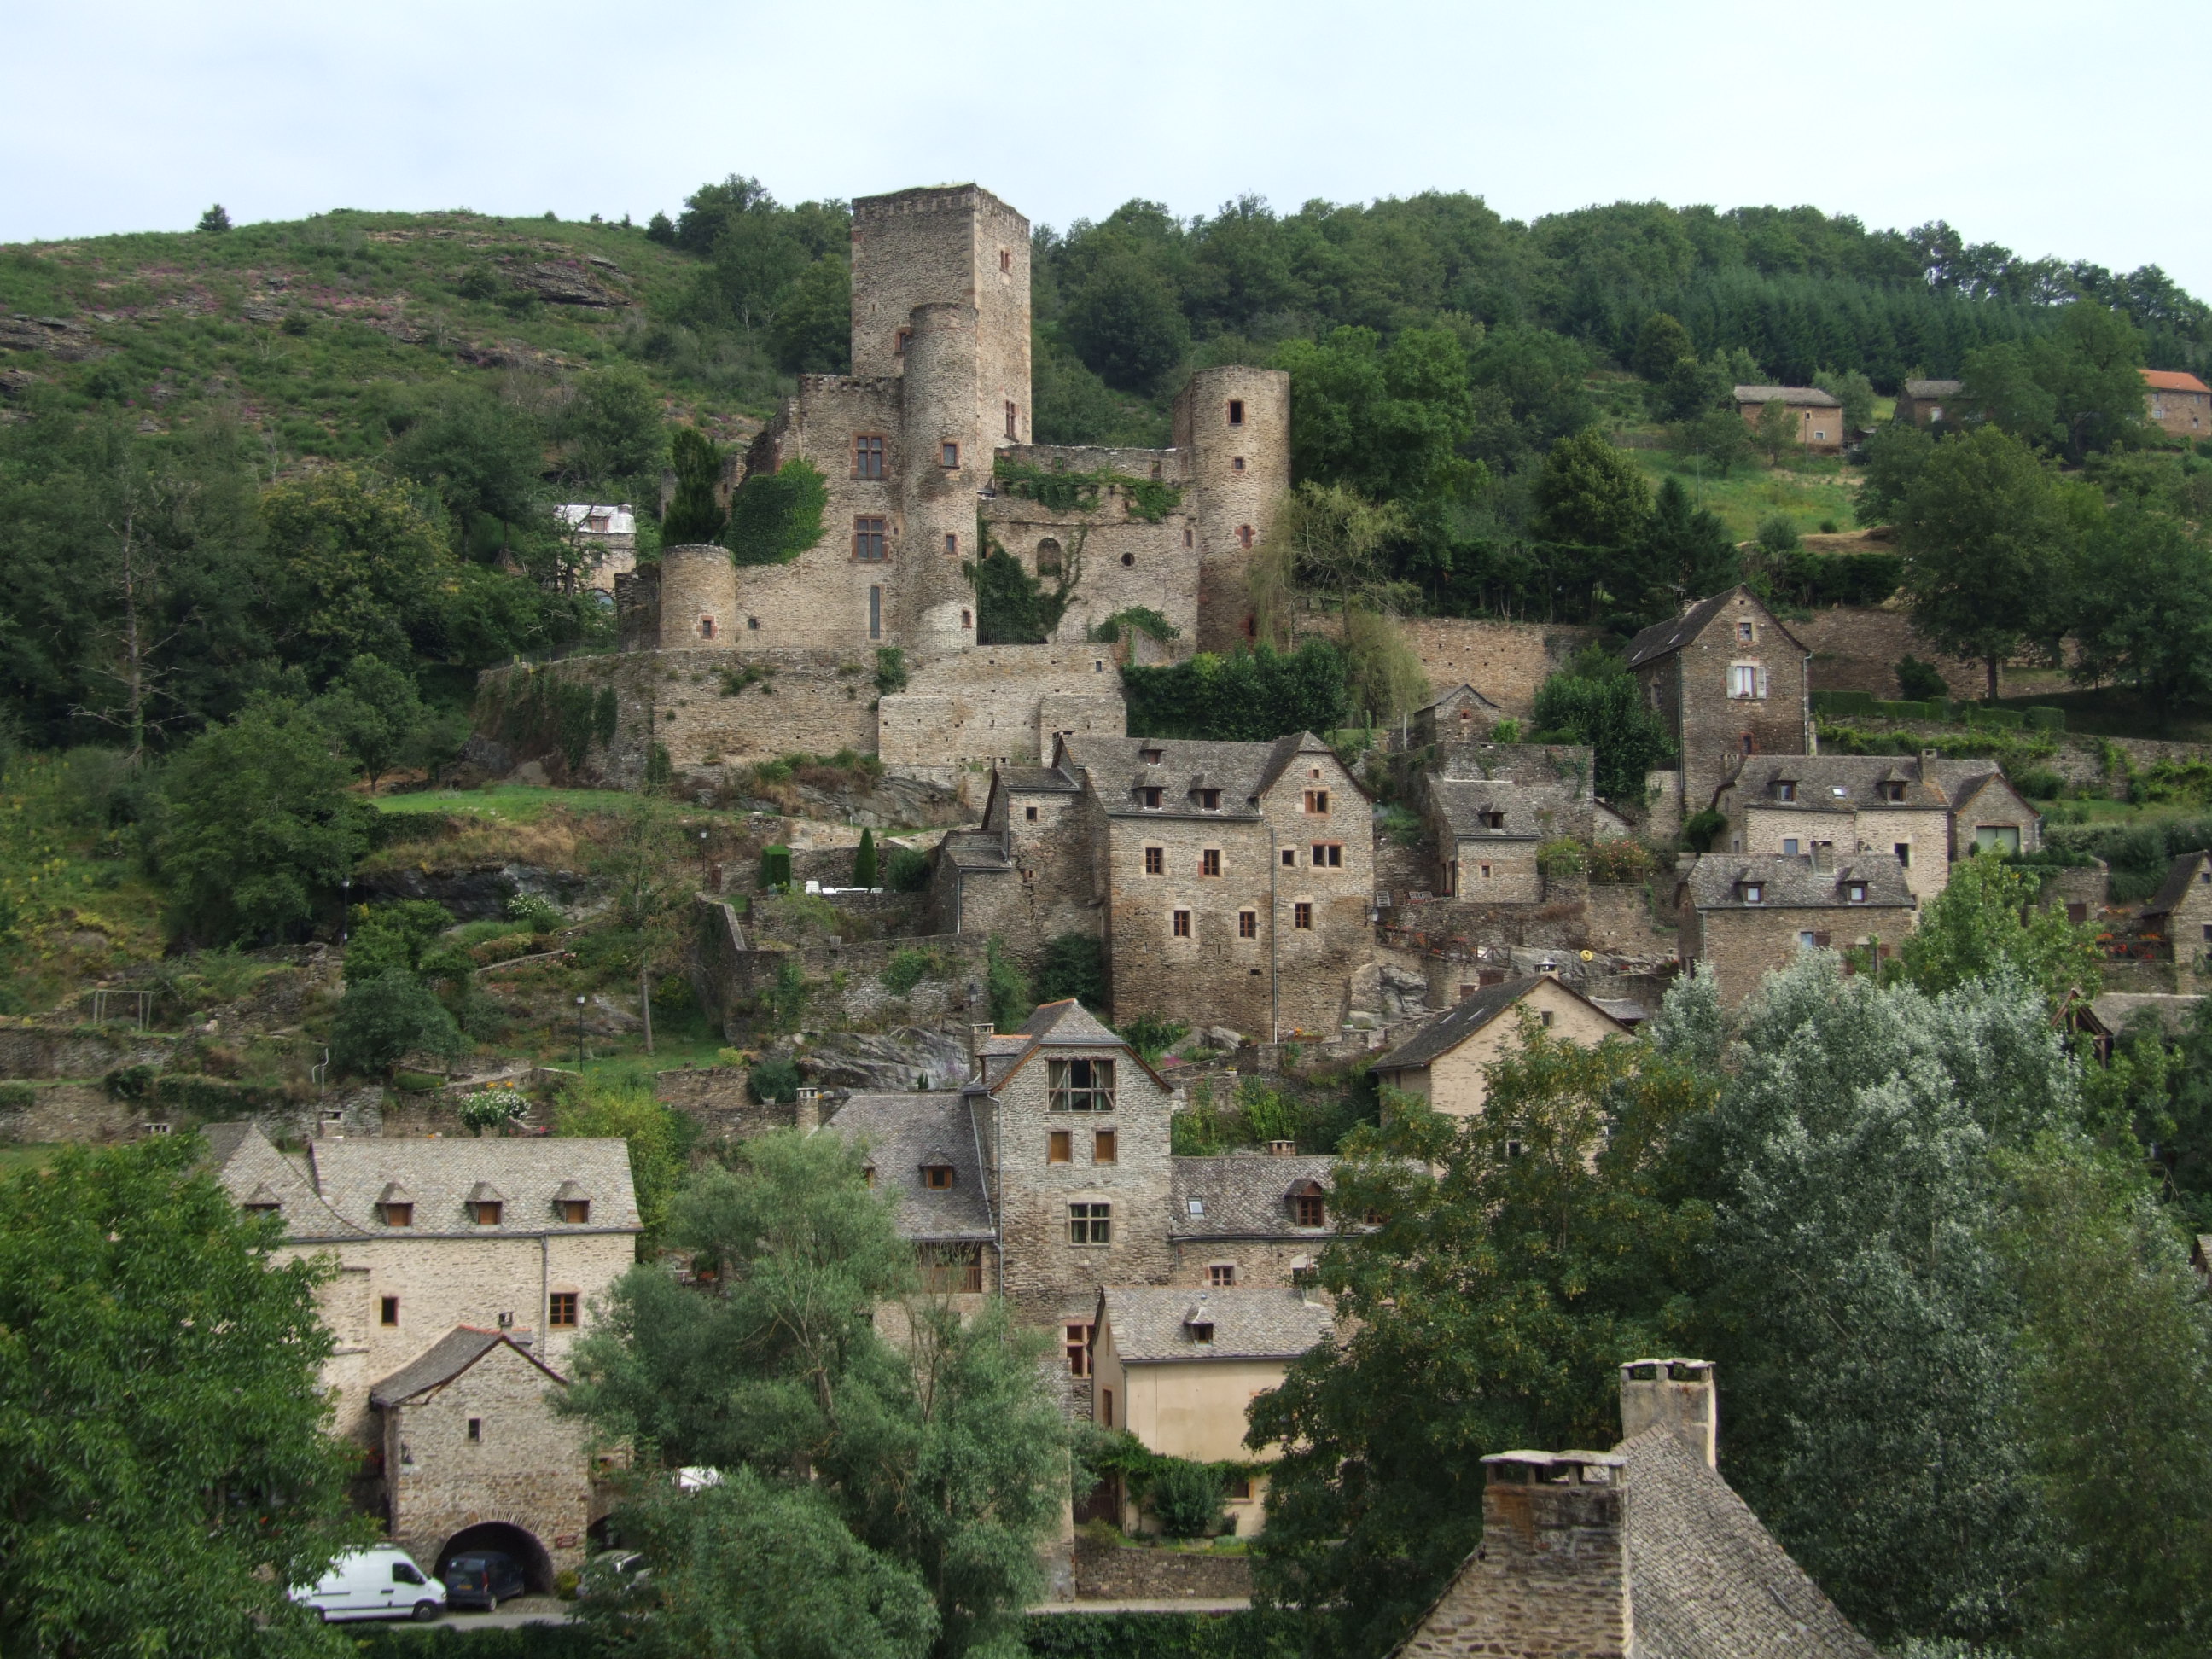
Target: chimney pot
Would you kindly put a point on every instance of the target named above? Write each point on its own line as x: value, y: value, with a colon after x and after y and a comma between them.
x: 1282, y: 1148
x: 1676, y: 1395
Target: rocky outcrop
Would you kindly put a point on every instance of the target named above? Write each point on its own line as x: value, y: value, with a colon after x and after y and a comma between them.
x: 867, y: 1062
x: 58, y: 338
x: 565, y: 282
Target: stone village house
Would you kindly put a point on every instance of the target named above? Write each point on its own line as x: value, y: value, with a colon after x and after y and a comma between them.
x: 1489, y: 807
x: 1743, y: 914
x: 1818, y: 417
x: 2181, y: 912
x: 2177, y: 403
x: 467, y: 1269
x: 1229, y: 884
x: 1923, y: 401
x: 1642, y: 1551
x: 1446, y: 1061
x: 1179, y: 1369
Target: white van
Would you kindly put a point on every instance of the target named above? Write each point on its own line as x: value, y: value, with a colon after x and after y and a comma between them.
x: 381, y: 1581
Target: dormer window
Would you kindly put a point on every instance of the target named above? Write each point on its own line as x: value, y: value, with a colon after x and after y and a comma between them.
x: 1856, y: 892
x: 486, y: 1203
x: 1494, y: 820
x: 264, y: 1202
x: 1151, y: 756
x: 1202, y: 1330
x: 1893, y: 791
x: 1209, y: 800
x: 1754, y: 892
x: 1309, y: 1204
x: 572, y: 1204
x: 1149, y: 796
x: 938, y: 1177
x: 1785, y: 789
x: 395, y: 1204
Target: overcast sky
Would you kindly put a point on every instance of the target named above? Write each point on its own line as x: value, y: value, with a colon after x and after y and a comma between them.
x: 2066, y: 130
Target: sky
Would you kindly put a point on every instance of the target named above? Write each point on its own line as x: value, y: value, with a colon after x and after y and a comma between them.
x: 2059, y: 130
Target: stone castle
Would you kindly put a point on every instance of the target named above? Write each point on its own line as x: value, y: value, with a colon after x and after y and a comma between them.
x: 926, y: 452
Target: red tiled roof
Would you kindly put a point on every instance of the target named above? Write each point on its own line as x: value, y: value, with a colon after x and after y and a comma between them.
x: 2172, y: 380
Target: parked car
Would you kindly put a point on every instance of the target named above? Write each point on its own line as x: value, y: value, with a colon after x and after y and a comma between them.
x: 381, y: 1581
x: 482, y: 1578
x: 614, y: 1576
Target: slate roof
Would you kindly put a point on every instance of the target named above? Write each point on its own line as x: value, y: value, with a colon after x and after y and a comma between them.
x: 1034, y: 780
x: 1152, y: 1325
x: 437, y: 1175
x: 1797, y: 396
x: 251, y: 1170
x: 1243, y: 772
x: 977, y: 849
x: 1465, y: 802
x: 1471, y: 1014
x: 2172, y: 380
x: 2179, y: 875
x: 2116, y: 1008
x: 1931, y: 388
x: 1562, y: 766
x: 1663, y: 638
x: 1791, y: 883
x: 1838, y: 783
x: 1966, y: 790
x: 1706, y: 1579
x: 904, y: 1131
x: 1243, y: 1195
x: 1062, y: 1024
x: 1442, y: 698
x: 446, y: 1360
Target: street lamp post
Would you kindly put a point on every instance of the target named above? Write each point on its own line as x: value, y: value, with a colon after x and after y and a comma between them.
x: 579, y: 1034
x: 345, y: 909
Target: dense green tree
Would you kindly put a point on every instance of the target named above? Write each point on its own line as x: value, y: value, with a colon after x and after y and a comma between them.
x: 613, y: 434
x: 1385, y: 422
x: 1591, y: 494
x: 381, y: 1019
x: 693, y: 516
x: 402, y: 937
x: 1894, y: 457
x: 942, y: 1454
x: 1776, y: 434
x: 1982, y: 926
x: 745, y: 1570
x: 1691, y: 389
x: 813, y: 329
x: 1717, y: 439
x: 258, y: 829
x: 1596, y: 702
x: 1999, y: 384
x: 1683, y: 553
x: 1530, y: 390
x: 2140, y: 610
x: 168, y: 1470
x: 215, y: 220
x: 2116, y: 1407
x: 776, y: 516
x: 375, y: 712
x: 1072, y: 965
x: 864, y: 860
x: 1854, y: 391
x: 1660, y: 343
x: 1520, y: 1254
x: 2094, y: 363
x: 1857, y: 1303
x: 481, y: 455
x: 1124, y: 324
x: 358, y: 569
x: 1986, y: 541
x: 660, y: 1137
x: 1251, y: 697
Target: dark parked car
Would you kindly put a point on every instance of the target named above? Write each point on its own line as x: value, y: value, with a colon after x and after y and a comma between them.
x: 482, y: 1578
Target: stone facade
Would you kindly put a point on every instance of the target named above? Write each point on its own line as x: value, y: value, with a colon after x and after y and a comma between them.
x: 1462, y: 715
x: 1446, y: 1062
x: 1742, y: 917
x: 1819, y: 416
x: 1730, y: 680
x: 1857, y: 649
x: 2177, y: 403
x: 1108, y: 1571
x: 1489, y: 806
x: 2180, y: 911
x: 485, y: 1449
x: 1923, y: 401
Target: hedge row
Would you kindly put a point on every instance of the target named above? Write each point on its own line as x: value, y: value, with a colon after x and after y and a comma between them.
x: 2042, y: 717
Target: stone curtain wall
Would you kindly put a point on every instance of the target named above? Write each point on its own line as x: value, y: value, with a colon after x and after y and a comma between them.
x: 1505, y: 661
x: 1856, y: 650
x: 1000, y: 702
x: 843, y: 984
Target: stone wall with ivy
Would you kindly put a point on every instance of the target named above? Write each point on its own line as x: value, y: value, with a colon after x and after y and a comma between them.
x: 1103, y: 530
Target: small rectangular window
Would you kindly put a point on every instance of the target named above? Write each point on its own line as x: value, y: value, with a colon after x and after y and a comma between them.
x: 388, y: 1311
x: 1789, y: 846
x: 1244, y: 535
x: 1005, y: 261
x: 1090, y: 1224
x: 1151, y: 796
x: 1182, y: 924
x: 867, y: 456
x: 1236, y: 463
x: 1328, y: 855
x: 1209, y: 800
x: 1106, y: 1408
x: 1236, y: 411
x: 1289, y: 855
x: 1318, y: 801
x: 868, y: 541
x: 1102, y: 1146
x: 1079, y: 1349
x: 875, y: 613
x: 398, y: 1215
x: 1209, y: 862
x: 1156, y: 860
x: 1059, y: 1146
x: 1312, y: 1210
x: 706, y: 628
x: 949, y: 456
x: 476, y: 1429
x: 487, y: 1213
x: 1221, y: 1275
x: 1011, y: 433
x: 560, y: 1309
x: 575, y: 1211
x: 952, y: 543
x: 899, y: 342
x: 1301, y: 915
x: 1248, y: 924
x: 1743, y: 681
x: 1904, y: 851
x: 938, y: 1177
x: 1029, y: 814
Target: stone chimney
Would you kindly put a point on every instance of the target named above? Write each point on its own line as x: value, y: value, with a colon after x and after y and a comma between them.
x: 978, y: 1038
x: 1282, y: 1148
x: 1551, y: 1574
x: 808, y: 1113
x: 1676, y: 1395
x: 1824, y: 855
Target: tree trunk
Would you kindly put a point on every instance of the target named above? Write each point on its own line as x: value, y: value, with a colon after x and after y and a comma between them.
x: 645, y: 1003
x: 1993, y: 678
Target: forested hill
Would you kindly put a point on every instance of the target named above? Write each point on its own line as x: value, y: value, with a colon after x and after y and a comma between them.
x: 242, y: 458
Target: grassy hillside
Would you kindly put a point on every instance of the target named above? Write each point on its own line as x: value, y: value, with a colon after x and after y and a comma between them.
x: 312, y: 331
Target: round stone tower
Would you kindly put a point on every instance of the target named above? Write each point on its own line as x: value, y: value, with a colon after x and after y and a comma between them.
x: 946, y: 457
x: 1234, y: 425
x: 698, y: 597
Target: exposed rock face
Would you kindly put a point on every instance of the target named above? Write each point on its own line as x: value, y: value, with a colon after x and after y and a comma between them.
x: 1400, y: 994
x: 479, y: 893
x: 566, y: 282
x: 58, y: 336
x: 867, y: 1062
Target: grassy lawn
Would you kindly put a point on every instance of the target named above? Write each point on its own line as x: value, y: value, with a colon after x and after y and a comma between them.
x: 517, y: 802
x: 15, y: 1157
x: 1813, y: 493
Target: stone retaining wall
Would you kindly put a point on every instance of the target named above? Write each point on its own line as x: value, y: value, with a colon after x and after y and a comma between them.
x: 1106, y: 1571
x: 33, y: 1051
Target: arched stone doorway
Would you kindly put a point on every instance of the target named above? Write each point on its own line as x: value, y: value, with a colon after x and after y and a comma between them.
x: 529, y: 1554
